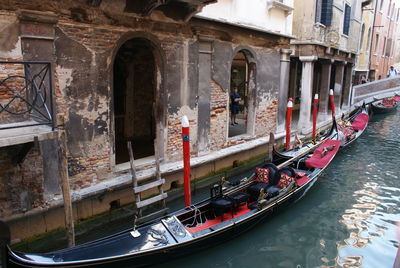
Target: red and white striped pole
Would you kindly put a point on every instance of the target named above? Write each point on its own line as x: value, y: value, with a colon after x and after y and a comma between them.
x: 314, y: 121
x: 289, y: 110
x: 331, y: 98
x: 186, y: 160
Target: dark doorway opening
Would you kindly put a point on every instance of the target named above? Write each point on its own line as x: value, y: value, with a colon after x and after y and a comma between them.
x: 239, y: 84
x: 134, y: 98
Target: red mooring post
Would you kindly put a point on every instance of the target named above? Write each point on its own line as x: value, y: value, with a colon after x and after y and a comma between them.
x: 186, y: 160
x: 332, y: 103
x: 314, y: 121
x: 289, y: 110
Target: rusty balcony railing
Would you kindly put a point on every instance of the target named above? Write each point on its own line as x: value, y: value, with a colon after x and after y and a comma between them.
x: 26, y: 94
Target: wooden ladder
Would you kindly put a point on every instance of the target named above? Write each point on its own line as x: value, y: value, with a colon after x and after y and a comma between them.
x: 138, y: 189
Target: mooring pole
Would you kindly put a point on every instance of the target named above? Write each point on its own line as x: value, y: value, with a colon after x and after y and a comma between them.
x: 186, y: 160
x: 314, y: 123
x: 331, y: 99
x: 63, y: 169
x: 4, y: 241
x: 289, y: 110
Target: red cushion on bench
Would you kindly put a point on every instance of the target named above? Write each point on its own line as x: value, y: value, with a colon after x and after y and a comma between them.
x: 262, y: 175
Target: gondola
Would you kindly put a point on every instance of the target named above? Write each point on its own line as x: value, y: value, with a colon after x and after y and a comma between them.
x: 331, y: 134
x: 347, y: 131
x: 223, y: 216
x: 350, y: 129
x: 383, y: 106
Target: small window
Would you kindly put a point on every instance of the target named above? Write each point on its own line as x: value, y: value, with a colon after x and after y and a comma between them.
x: 376, y: 43
x: 369, y: 39
x: 324, y: 12
x: 346, y: 22
x: 384, y: 46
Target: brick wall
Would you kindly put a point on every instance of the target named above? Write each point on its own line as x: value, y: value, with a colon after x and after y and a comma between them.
x: 266, y: 116
x: 13, y: 110
x: 218, y: 117
x: 21, y: 186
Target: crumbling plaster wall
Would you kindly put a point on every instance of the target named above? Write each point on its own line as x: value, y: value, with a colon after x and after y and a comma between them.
x: 86, y: 41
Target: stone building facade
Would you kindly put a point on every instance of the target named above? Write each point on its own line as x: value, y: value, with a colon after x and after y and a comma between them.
x: 128, y: 71
x: 323, y: 56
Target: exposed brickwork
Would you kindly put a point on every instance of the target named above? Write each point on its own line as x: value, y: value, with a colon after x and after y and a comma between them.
x: 218, y: 117
x: 266, y: 116
x: 87, y: 171
x: 174, y: 141
x: 97, y: 39
x: 9, y: 88
x: 21, y: 186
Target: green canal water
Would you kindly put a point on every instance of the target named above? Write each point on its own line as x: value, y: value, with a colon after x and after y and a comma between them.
x: 348, y: 218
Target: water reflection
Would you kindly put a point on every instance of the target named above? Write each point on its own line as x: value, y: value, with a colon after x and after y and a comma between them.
x: 371, y: 220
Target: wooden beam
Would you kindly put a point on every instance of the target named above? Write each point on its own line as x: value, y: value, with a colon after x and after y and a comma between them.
x: 151, y: 200
x: 147, y: 186
x: 63, y: 169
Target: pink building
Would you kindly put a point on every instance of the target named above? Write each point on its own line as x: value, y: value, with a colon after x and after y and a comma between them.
x: 383, y: 38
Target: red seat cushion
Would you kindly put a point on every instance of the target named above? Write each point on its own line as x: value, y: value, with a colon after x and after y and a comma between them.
x: 262, y: 175
x: 284, y: 181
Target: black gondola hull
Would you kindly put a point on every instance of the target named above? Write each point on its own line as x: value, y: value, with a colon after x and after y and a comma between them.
x: 179, y: 250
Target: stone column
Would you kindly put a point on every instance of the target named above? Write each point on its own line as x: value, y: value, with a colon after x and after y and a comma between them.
x: 306, y: 93
x: 283, y: 89
x: 337, y: 90
x: 324, y: 91
x: 347, y: 86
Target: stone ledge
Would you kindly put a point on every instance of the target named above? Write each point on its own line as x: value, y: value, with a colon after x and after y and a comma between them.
x: 17, y: 133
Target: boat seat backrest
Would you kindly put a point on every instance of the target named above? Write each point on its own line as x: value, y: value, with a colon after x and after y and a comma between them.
x: 288, y: 171
x: 273, y: 172
x: 216, y: 191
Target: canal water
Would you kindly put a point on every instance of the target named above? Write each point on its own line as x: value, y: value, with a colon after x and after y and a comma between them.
x: 348, y: 218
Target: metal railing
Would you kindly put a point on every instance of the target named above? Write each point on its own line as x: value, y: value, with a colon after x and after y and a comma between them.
x: 26, y: 94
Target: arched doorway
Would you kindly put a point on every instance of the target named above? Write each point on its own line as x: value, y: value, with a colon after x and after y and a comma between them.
x: 242, y: 88
x: 134, y: 99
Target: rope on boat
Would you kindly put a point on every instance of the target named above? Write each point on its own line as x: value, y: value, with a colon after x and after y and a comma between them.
x: 197, y: 212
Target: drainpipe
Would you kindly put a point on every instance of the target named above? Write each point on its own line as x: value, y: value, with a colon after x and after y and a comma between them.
x: 373, y: 34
